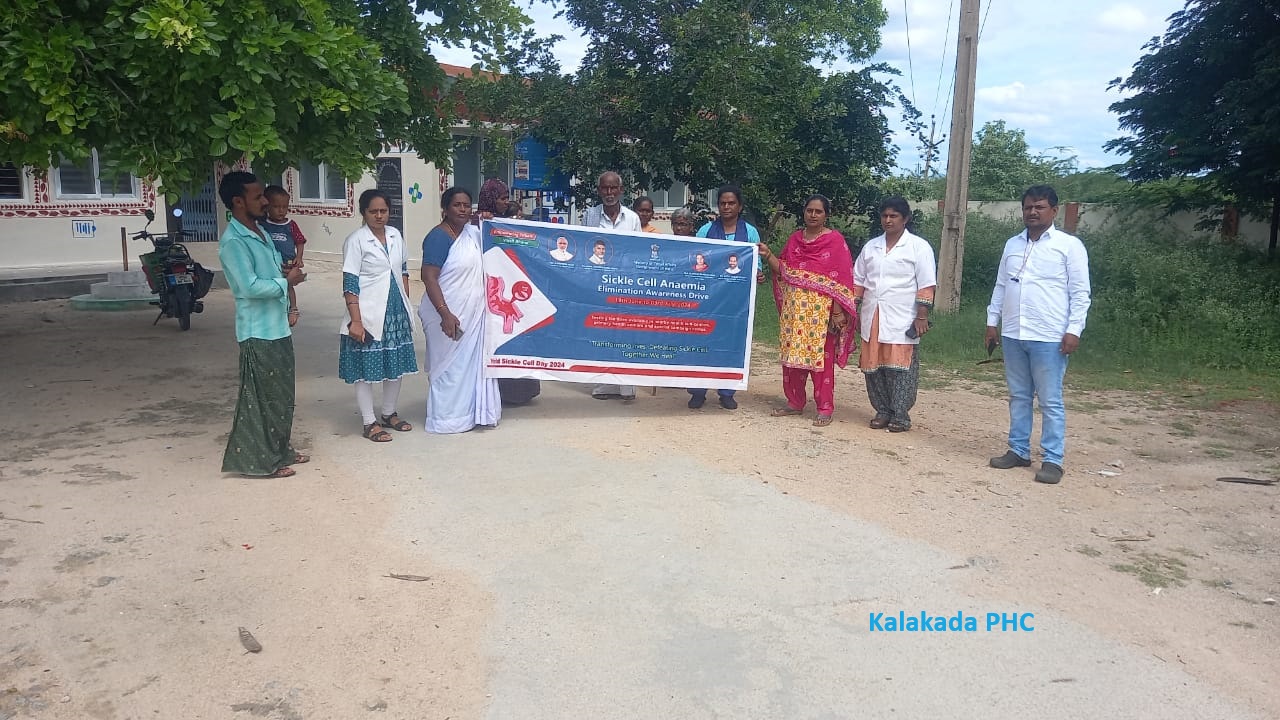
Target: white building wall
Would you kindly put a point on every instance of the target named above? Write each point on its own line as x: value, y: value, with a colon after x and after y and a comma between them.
x: 421, y: 185
x: 41, y: 236
x: 327, y: 225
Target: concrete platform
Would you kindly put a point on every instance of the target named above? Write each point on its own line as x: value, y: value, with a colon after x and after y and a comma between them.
x: 47, y: 288
x: 88, y: 301
x: 64, y: 286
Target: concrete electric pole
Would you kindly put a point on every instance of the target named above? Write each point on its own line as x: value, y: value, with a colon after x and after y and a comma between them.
x: 955, y: 203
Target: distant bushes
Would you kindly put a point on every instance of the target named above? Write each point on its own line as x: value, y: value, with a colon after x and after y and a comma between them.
x: 1162, y: 300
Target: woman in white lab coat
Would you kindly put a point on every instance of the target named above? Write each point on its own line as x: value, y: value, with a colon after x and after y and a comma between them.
x: 894, y: 277
x: 377, y: 332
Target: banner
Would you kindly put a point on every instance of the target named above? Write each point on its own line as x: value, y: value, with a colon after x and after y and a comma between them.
x: 597, y: 306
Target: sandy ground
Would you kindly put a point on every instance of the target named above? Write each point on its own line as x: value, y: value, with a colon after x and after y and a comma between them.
x: 595, y: 559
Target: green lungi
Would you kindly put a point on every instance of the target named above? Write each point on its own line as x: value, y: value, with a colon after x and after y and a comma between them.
x: 259, y: 441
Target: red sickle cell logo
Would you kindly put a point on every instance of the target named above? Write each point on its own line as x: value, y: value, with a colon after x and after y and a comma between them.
x: 500, y: 305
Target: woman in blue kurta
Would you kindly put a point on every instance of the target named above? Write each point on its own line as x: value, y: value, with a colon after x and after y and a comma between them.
x: 377, y: 334
x: 730, y: 225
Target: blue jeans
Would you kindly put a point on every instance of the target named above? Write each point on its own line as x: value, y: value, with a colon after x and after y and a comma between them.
x: 1036, y: 368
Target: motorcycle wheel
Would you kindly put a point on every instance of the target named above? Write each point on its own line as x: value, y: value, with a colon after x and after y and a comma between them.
x: 182, y: 305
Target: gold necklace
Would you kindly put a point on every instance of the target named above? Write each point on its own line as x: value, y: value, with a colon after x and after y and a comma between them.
x: 453, y: 234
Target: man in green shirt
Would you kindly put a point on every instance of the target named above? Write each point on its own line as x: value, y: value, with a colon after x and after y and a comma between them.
x: 259, y: 442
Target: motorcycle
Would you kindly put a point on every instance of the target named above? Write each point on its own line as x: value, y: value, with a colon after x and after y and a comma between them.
x: 179, y: 281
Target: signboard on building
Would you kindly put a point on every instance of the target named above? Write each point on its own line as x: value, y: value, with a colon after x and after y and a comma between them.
x: 83, y: 228
x: 531, y: 170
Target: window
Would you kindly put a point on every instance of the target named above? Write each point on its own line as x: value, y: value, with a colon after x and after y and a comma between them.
x: 89, y: 179
x: 673, y: 197
x: 319, y: 183
x: 466, y: 165
x: 470, y: 168
x: 11, y: 182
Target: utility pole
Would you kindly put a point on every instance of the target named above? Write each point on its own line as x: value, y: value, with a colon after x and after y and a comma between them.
x: 955, y: 203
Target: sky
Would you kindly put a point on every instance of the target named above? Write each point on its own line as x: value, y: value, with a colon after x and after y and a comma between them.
x: 1042, y: 67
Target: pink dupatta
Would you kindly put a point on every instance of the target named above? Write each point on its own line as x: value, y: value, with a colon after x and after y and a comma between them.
x: 824, y: 266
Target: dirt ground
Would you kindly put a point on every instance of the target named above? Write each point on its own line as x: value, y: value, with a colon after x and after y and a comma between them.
x: 127, y: 562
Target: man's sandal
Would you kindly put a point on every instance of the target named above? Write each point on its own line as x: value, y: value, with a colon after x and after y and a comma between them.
x: 394, y: 422
x: 785, y: 411
x: 299, y: 458
x: 374, y: 432
x: 822, y: 421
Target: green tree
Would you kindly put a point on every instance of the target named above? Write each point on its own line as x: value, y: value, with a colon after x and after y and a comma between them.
x: 1092, y: 186
x: 163, y: 88
x: 712, y: 91
x: 1002, y: 165
x: 1204, y: 105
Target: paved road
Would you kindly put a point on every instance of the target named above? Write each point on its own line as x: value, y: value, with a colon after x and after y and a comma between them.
x: 660, y: 587
x: 633, y: 578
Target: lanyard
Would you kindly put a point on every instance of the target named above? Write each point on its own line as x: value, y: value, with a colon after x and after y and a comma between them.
x: 1017, y: 277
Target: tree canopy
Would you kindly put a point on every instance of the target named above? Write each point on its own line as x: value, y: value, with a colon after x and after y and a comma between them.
x: 164, y: 88
x: 1204, y: 104
x: 712, y: 91
x: 1002, y: 165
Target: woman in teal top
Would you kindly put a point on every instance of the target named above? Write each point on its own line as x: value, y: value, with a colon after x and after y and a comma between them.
x: 377, y: 334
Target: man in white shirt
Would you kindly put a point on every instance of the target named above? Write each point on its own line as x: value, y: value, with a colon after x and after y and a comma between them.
x: 1040, y: 302
x: 611, y: 214
x: 561, y: 253
x: 597, y: 253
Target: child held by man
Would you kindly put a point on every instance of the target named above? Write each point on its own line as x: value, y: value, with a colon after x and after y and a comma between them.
x: 287, y: 236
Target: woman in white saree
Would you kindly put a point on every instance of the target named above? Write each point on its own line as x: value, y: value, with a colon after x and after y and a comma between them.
x: 453, y: 313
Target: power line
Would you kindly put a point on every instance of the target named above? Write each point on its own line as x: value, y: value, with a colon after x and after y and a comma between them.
x: 942, y: 64
x: 985, y: 15
x: 983, y: 26
x: 947, y: 107
x: 911, y: 71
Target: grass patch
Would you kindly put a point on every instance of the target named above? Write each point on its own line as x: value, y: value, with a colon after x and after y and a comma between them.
x: 1183, y: 315
x: 1155, y: 570
x: 1242, y: 624
x: 765, y: 329
x: 1089, y: 407
x: 1089, y: 551
x: 936, y: 381
x: 1219, y: 584
x: 1106, y: 440
x: 1182, y: 428
x: 1218, y: 452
